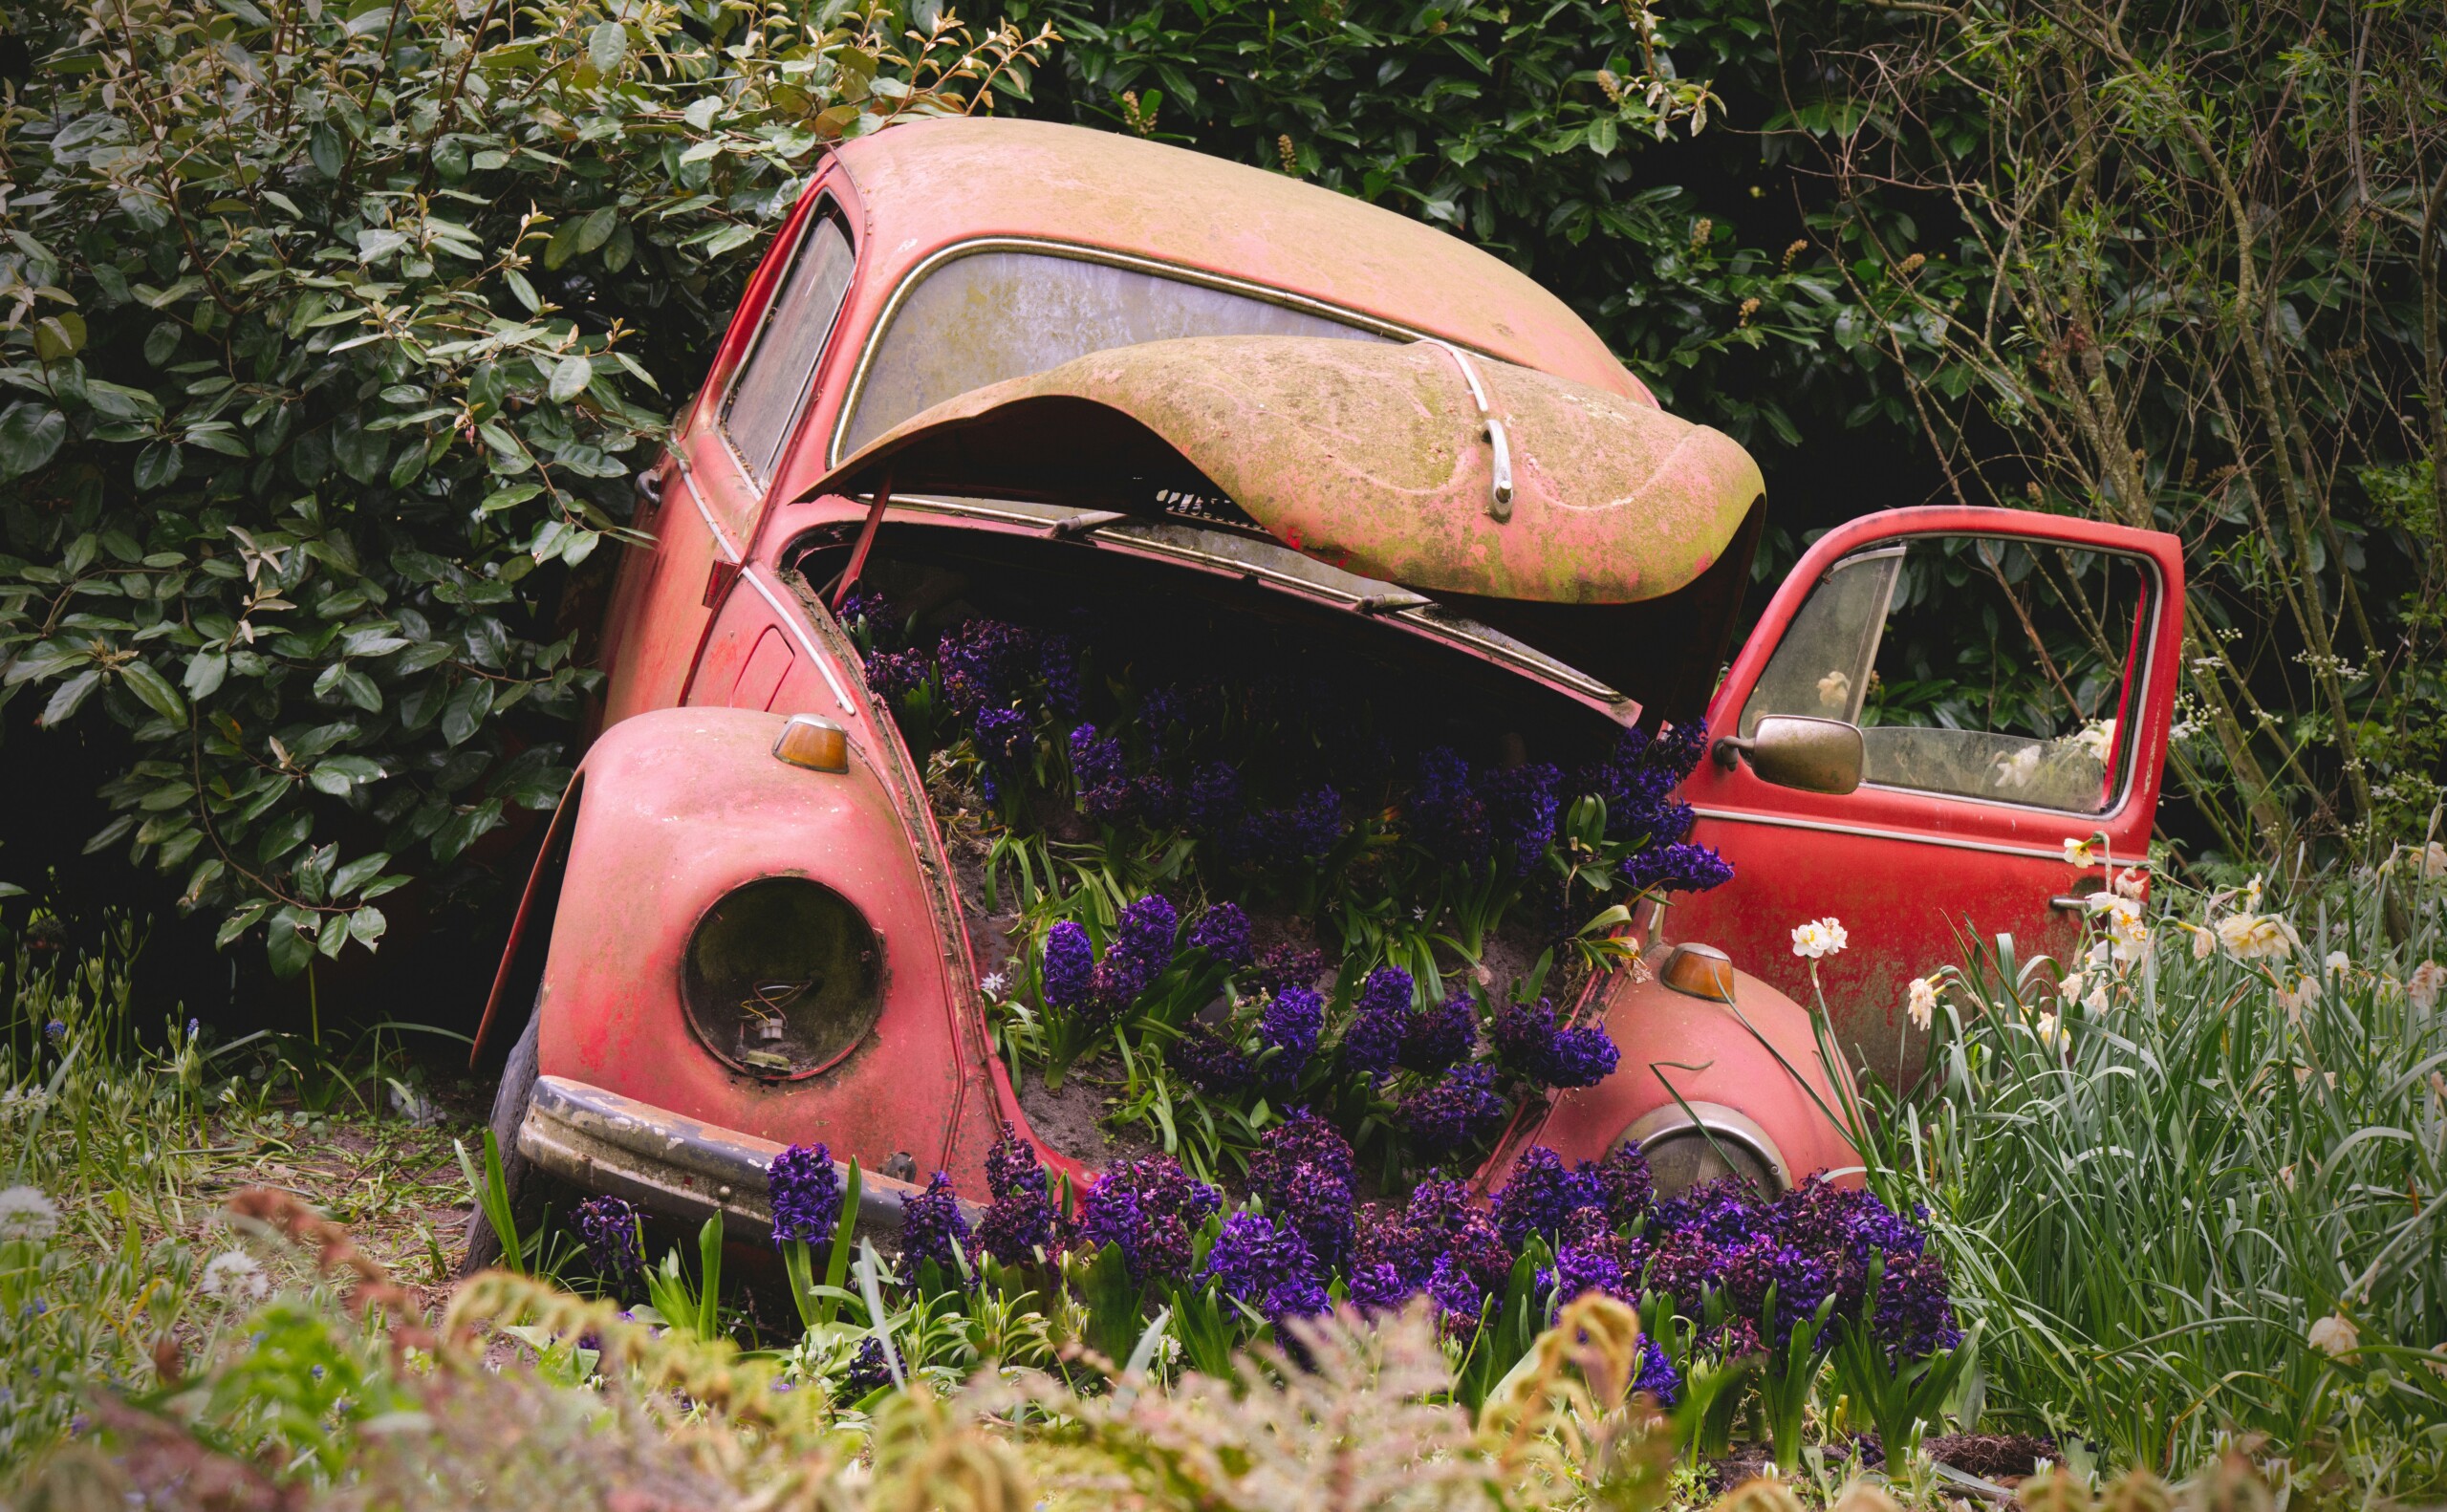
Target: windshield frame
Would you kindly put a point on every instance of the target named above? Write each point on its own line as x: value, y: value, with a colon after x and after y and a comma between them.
x: 1259, y: 558
x: 926, y: 266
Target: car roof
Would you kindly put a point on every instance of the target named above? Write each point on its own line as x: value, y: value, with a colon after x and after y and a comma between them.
x: 929, y: 184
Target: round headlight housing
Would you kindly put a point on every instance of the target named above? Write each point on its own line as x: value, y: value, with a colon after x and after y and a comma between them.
x: 783, y: 978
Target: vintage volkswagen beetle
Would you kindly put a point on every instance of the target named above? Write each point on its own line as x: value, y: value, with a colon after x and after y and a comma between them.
x: 1079, y: 358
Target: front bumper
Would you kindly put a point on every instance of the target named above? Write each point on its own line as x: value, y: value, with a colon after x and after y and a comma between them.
x: 676, y: 1166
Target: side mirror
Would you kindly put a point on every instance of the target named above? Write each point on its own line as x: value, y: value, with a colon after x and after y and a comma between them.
x: 1796, y: 751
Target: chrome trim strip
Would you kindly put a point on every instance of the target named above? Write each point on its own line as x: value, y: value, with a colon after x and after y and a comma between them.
x: 1914, y: 836
x: 1085, y: 255
x: 723, y: 542
x: 1729, y: 1124
x: 1421, y: 617
x: 825, y: 209
x: 788, y: 617
x: 605, y: 1142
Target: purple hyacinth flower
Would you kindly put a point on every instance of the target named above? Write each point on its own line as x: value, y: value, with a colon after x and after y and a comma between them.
x: 931, y: 1222
x: 1142, y: 948
x: 1581, y: 1057
x: 893, y: 673
x: 1290, y: 1026
x: 1381, y: 1021
x: 1679, y: 867
x: 1101, y: 777
x: 868, y: 1372
x: 1379, y: 1287
x: 1001, y: 735
x: 1020, y: 1219
x: 1542, y: 1195
x: 1585, y: 1267
x: 1211, y: 1064
x: 1150, y: 1208
x: 1214, y: 801
x: 1445, y: 812
x: 1915, y: 1313
x: 1630, y: 1190
x: 608, y: 1228
x: 1223, y: 932
x: 1287, y: 965
x: 1069, y: 966
x: 1254, y: 1260
x: 1457, y: 1295
x: 1727, y: 1210
x: 1658, y: 1380
x: 1454, y: 1116
x: 1304, y: 1171
x: 1444, y: 1034
x: 1523, y: 804
x: 1686, y: 1265
x: 805, y: 1191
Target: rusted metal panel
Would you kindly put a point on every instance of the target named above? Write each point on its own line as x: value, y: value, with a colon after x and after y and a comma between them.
x: 1372, y: 458
x: 931, y: 184
x: 678, y: 1166
x: 682, y: 807
x: 1756, y: 1054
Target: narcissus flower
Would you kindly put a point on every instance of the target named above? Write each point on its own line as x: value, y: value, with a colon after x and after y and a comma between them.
x: 1923, y: 1006
x: 2081, y: 853
x: 2422, y: 987
x: 1818, y: 938
x: 2050, y: 1031
x: 2250, y: 936
x: 2335, y: 1335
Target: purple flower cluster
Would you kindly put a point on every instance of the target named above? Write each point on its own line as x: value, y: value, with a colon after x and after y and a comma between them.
x: 1076, y: 981
x: 1380, y: 1022
x: 1441, y: 1035
x: 1223, y: 932
x: 804, y: 1190
x: 1441, y: 1244
x: 1637, y: 782
x: 1287, y: 965
x: 1445, y: 812
x: 1294, y: 834
x: 1304, y: 1173
x: 867, y: 1373
x: 1290, y: 1026
x: 608, y: 1226
x: 1658, y: 1380
x: 931, y: 1223
x: 1682, y: 867
x: 1811, y: 1244
x: 1210, y: 1063
x: 1452, y: 1116
x: 1545, y: 1199
x: 1150, y: 1208
x: 1021, y: 1221
x: 893, y: 673
x: 1529, y: 1045
x: 1100, y: 776
x: 1269, y: 1267
x: 1523, y: 804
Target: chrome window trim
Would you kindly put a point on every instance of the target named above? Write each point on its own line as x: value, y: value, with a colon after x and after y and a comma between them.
x: 1428, y: 618
x: 1717, y: 1122
x: 827, y: 208
x: 2141, y: 686
x: 794, y: 618
x: 1076, y: 252
x: 723, y: 545
x: 1949, y: 842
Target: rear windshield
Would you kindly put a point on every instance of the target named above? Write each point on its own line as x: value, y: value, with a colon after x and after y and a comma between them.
x: 993, y: 315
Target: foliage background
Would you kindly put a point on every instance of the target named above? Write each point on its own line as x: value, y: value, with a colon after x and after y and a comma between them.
x: 1907, y: 252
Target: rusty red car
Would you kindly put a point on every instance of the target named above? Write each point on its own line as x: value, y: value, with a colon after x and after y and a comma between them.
x: 1067, y: 358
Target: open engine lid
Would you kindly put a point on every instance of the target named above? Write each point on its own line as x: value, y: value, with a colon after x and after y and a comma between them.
x: 1374, y: 458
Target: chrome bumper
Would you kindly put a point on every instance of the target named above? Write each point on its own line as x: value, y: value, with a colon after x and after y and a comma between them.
x: 675, y: 1166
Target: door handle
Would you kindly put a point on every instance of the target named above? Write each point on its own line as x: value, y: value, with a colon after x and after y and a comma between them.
x: 2072, y: 903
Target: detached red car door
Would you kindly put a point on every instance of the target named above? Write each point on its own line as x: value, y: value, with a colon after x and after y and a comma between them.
x: 1991, y: 736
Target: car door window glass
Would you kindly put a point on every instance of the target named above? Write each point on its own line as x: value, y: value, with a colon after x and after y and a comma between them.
x: 771, y: 388
x: 993, y: 315
x: 1976, y: 668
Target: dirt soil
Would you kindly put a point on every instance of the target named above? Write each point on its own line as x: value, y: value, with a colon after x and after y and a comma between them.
x: 2002, y: 1457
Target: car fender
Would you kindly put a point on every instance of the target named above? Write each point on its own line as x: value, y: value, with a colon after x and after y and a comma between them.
x: 1709, y: 1052
x: 679, y: 807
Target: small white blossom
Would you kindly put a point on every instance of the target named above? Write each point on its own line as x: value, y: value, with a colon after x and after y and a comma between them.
x: 1924, y: 1007
x: 2286, y: 1178
x: 2016, y: 771
x: 2303, y: 992
x: 2251, y: 894
x: 2097, y: 741
x: 1819, y: 938
x: 2052, y: 1032
x: 2131, y: 883
x: 1834, y: 690
x: 2335, y: 1335
x: 2338, y: 964
x: 2081, y: 853
x: 2422, y: 987
x: 25, y: 1213
x: 2070, y: 986
x: 2433, y: 861
x: 994, y: 985
x: 234, y: 1274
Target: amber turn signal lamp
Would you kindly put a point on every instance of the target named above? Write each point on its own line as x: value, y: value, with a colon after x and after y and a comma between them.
x: 1700, y: 971
x: 817, y: 745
